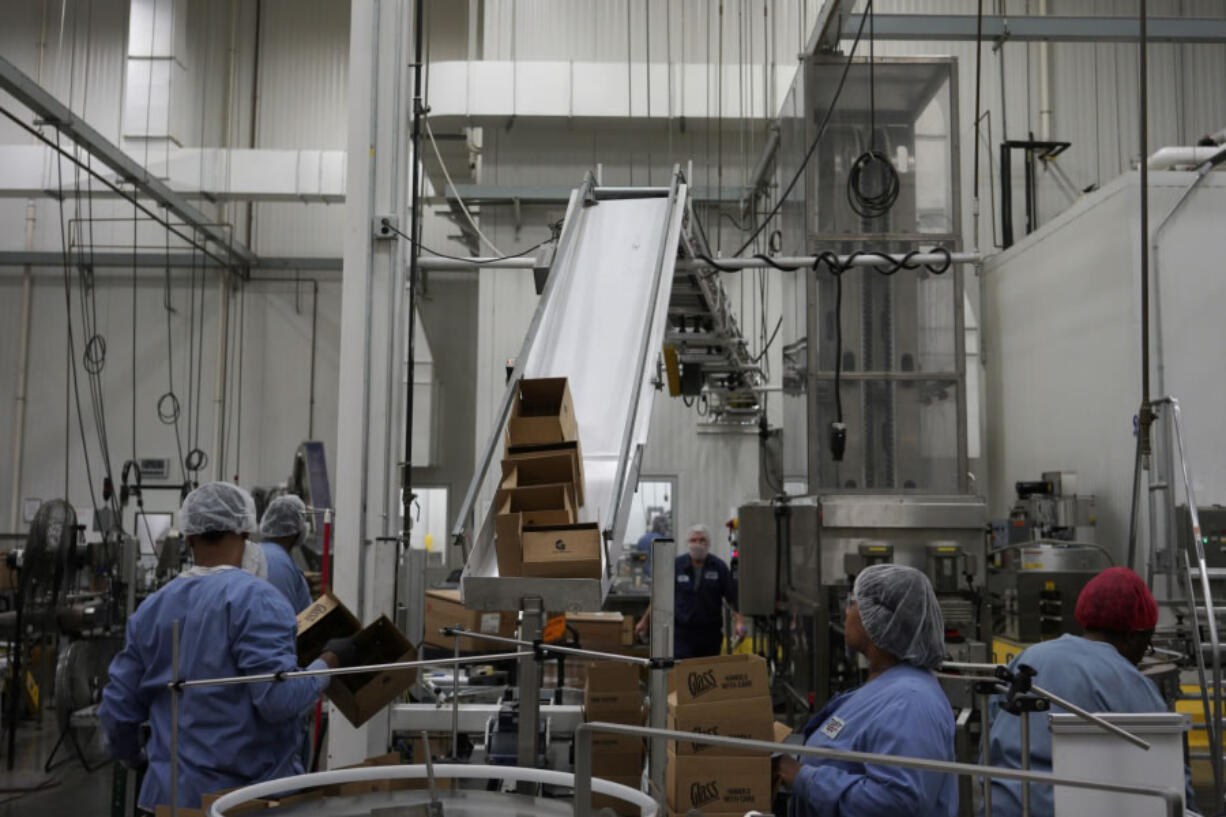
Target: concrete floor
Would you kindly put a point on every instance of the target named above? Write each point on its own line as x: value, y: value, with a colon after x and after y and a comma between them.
x: 70, y: 790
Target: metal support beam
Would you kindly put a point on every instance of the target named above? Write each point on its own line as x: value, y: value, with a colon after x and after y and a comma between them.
x: 160, y: 260
x: 1050, y: 28
x: 663, y: 585
x: 55, y: 113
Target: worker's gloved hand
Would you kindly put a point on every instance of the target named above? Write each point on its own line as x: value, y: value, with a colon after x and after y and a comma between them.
x: 640, y: 629
x: 345, y: 650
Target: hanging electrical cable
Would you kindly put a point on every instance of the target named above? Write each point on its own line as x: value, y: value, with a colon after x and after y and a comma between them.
x: 872, y: 181
x: 817, y: 138
x: 387, y: 224
x: 836, y: 267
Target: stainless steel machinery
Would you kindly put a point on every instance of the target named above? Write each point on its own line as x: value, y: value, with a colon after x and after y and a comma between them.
x: 799, y: 557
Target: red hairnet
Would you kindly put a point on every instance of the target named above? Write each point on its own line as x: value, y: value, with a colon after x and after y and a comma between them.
x: 1117, y: 601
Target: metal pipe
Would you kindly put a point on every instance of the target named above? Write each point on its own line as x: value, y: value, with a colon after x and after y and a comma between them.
x: 663, y: 586
x: 1172, y: 798
x: 1145, y: 415
x: 19, y: 391
x: 985, y: 741
x: 356, y: 670
x: 174, y: 718
x: 314, y: 345
x: 455, y: 702
x: 1025, y: 727
x: 1088, y: 716
x: 531, y: 622
x: 219, y: 391
x: 406, y: 468
x: 519, y: 642
x: 688, y: 264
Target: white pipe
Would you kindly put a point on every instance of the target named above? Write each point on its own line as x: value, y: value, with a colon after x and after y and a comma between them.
x: 455, y: 771
x: 1171, y: 157
x: 1044, y: 82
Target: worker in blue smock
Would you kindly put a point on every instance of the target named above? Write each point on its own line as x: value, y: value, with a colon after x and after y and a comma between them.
x: 702, y: 583
x: 1097, y: 671
x: 894, y: 621
x: 283, y: 528
x: 230, y: 623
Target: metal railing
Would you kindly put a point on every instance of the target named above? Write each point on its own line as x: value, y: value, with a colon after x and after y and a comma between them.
x: 1172, y: 799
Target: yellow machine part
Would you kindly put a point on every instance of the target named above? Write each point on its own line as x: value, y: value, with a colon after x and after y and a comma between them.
x: 1005, y: 650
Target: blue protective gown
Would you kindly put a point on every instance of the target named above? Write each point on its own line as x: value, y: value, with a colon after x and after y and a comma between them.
x: 231, y: 623
x: 698, y: 612
x: 286, y: 577
x: 1091, y: 674
x: 901, y: 712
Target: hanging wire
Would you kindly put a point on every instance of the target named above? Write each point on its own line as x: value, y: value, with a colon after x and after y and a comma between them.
x: 872, y: 182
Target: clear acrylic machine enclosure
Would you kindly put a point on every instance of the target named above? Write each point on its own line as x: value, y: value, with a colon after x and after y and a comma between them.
x: 903, y: 375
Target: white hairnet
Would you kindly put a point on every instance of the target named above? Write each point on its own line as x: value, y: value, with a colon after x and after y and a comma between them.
x: 701, y: 529
x: 900, y: 613
x: 217, y: 507
x: 254, y: 560
x: 284, y: 516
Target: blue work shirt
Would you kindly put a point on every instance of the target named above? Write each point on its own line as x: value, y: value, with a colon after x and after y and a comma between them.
x: 231, y: 623
x: 697, y: 606
x: 1090, y: 674
x: 286, y: 577
x: 901, y: 712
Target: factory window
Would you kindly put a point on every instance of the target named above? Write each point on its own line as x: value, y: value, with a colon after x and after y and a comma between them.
x: 653, y: 498
x: 429, y: 525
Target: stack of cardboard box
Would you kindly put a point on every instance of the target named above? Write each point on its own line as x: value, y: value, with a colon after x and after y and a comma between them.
x: 536, y: 531
x: 445, y: 609
x: 727, y: 696
x: 611, y: 694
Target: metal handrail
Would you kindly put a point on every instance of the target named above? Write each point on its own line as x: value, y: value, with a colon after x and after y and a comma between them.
x: 394, y: 666
x: 558, y: 648
x: 1215, y: 736
x: 1172, y: 798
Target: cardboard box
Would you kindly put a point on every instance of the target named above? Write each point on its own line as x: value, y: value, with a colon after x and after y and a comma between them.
x: 164, y: 811
x: 610, y: 765
x: 613, y: 676
x: 522, y: 507
x: 719, y: 784
x: 602, y: 631
x: 444, y: 609
x: 600, y: 703
x: 781, y: 732
x: 547, y: 467
x: 719, y: 678
x: 574, y: 450
x: 207, y: 800
x: 562, y: 551
x: 359, y: 697
x: 543, y: 413
x: 619, y: 806
x: 611, y: 744
x: 750, y: 718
